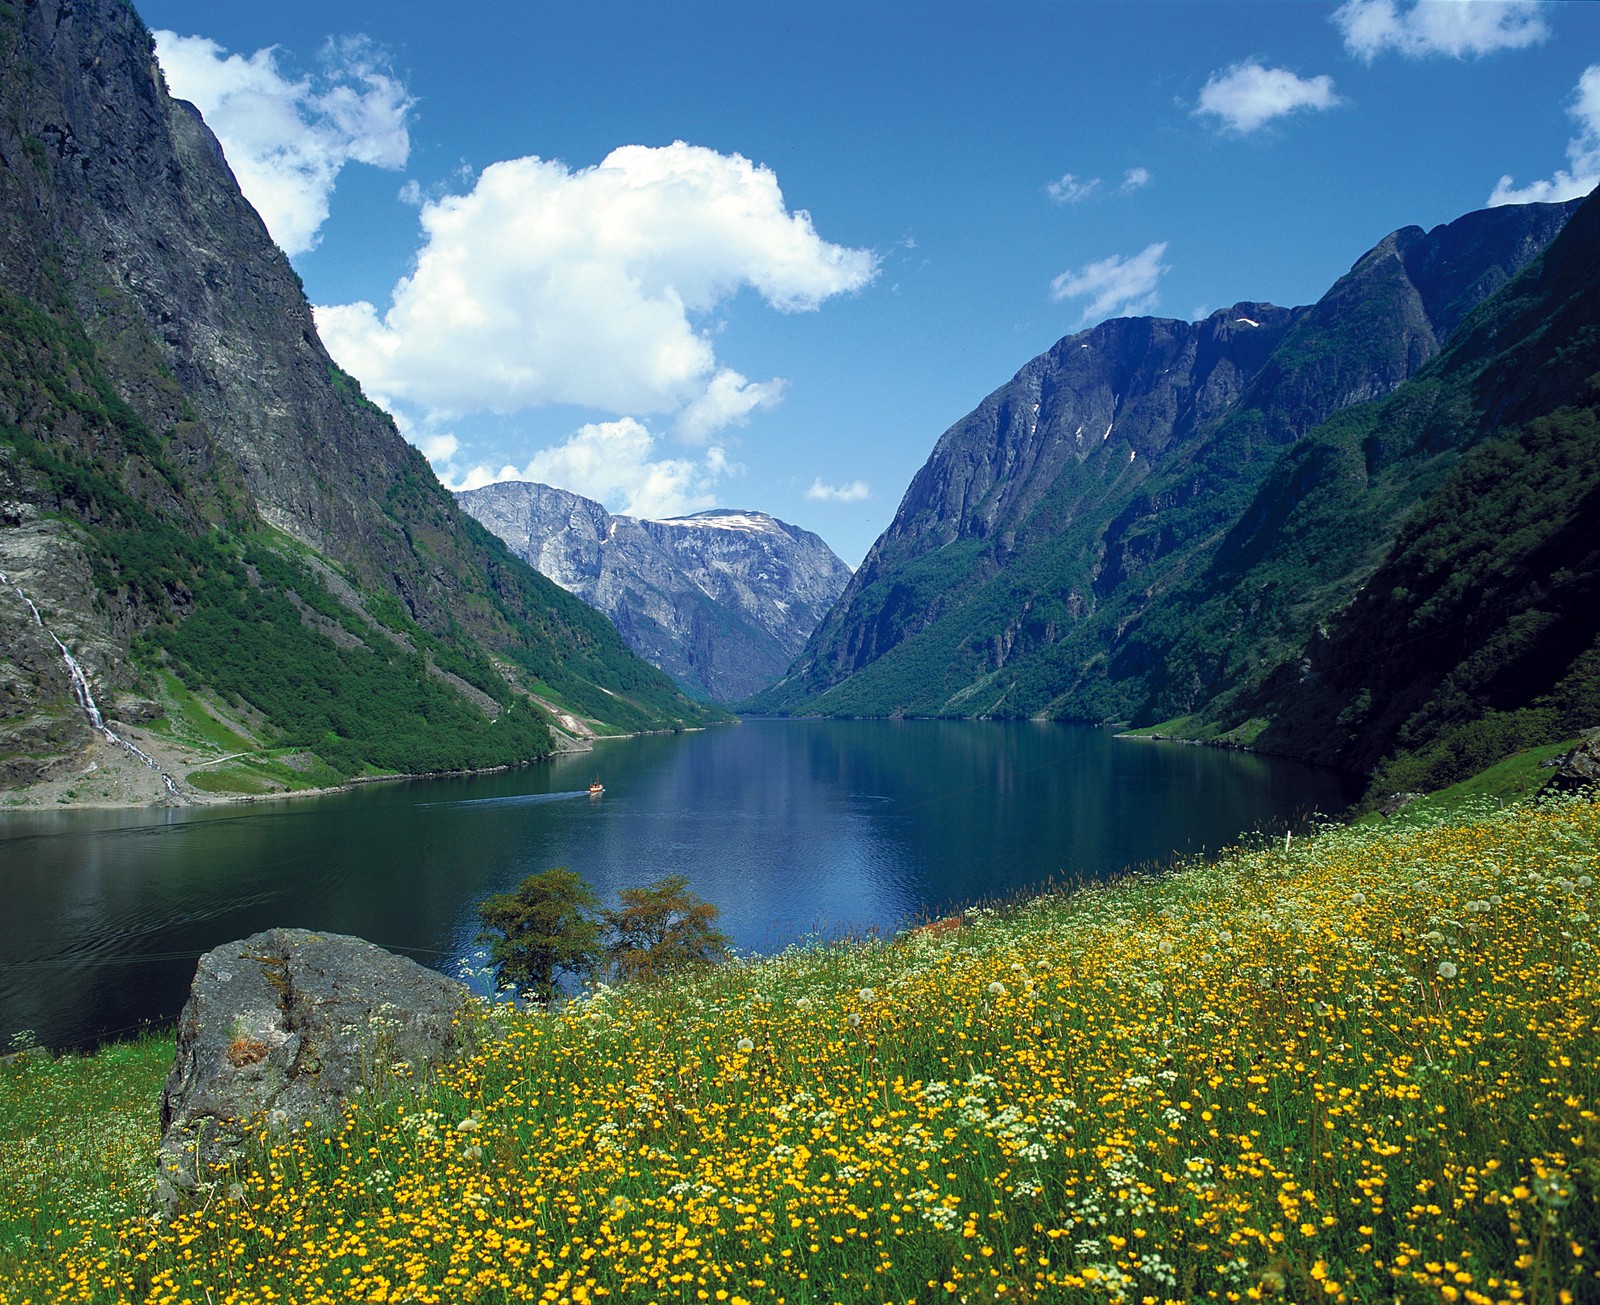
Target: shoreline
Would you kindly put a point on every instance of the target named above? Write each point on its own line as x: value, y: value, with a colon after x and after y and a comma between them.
x: 109, y: 779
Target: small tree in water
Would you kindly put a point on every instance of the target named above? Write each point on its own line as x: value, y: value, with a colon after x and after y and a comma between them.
x: 661, y: 929
x: 542, y: 930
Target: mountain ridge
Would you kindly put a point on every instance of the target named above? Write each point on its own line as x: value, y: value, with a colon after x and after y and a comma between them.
x: 1074, y: 603
x: 720, y: 600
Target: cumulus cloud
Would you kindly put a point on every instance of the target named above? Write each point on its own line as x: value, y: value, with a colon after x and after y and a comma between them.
x: 728, y: 401
x: 1115, y: 286
x: 854, y: 492
x: 1247, y: 96
x: 438, y: 448
x: 1071, y: 189
x: 287, y: 138
x: 1456, y: 28
x: 614, y: 463
x: 545, y: 284
x: 1583, y: 153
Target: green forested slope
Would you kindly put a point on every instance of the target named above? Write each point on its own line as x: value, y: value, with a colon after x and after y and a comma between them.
x: 206, y: 590
x: 1478, y: 633
x: 1412, y: 578
x: 1088, y: 544
x: 195, y: 499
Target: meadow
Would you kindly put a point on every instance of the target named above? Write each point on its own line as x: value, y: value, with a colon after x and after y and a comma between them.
x: 1362, y: 1066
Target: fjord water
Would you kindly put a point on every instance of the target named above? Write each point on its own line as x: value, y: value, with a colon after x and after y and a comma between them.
x: 796, y: 829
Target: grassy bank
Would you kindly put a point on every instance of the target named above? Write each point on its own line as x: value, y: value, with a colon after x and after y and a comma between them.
x: 1359, y: 1067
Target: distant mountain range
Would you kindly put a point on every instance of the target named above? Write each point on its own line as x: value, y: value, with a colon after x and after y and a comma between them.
x: 1197, y: 524
x: 235, y: 544
x: 722, y: 601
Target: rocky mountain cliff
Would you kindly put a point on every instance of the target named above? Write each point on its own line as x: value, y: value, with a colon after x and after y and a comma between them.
x: 722, y: 601
x: 196, y: 500
x: 1096, y: 541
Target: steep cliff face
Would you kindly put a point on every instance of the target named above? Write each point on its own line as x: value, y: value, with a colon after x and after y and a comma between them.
x: 169, y: 418
x: 1027, y: 568
x: 722, y: 601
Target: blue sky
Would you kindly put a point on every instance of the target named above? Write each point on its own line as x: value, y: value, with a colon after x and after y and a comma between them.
x: 761, y: 255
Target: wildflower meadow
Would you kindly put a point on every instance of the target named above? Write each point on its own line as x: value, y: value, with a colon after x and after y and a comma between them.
x: 1359, y: 1067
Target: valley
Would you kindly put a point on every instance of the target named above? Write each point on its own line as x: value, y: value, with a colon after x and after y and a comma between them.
x: 1162, y: 870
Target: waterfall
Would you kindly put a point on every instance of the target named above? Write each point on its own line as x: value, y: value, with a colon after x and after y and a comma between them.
x: 85, y: 695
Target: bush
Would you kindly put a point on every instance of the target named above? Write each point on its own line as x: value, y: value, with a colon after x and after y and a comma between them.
x: 548, y: 927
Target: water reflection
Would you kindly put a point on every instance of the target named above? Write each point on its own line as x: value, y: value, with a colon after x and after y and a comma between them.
x: 795, y: 829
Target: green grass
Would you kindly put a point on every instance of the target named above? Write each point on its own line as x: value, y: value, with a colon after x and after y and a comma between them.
x: 277, y: 770
x: 189, y: 720
x: 1515, y: 779
x: 77, y: 1134
x: 1362, y: 1066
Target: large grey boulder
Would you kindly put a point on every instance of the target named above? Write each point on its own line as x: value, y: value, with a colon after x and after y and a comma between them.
x: 284, y: 1027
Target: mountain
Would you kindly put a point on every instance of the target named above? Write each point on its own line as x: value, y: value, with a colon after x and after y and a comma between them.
x: 235, y: 544
x: 1478, y: 634
x: 1154, y: 515
x: 722, y: 601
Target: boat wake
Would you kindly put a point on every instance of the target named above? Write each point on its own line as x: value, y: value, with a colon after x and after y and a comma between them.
x: 513, y: 800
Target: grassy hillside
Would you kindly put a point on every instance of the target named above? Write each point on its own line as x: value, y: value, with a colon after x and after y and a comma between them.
x: 1363, y: 1066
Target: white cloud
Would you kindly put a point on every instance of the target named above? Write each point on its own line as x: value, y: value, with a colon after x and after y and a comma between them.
x: 546, y: 285
x: 1071, y: 189
x: 1583, y: 153
x: 439, y: 448
x: 1457, y: 28
x: 612, y: 462
x: 1247, y: 96
x: 1068, y: 189
x: 728, y: 401
x: 287, y: 139
x: 1115, y: 286
x: 854, y: 492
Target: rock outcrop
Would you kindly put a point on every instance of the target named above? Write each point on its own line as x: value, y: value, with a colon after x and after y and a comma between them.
x: 1580, y: 768
x: 722, y: 601
x: 283, y: 1027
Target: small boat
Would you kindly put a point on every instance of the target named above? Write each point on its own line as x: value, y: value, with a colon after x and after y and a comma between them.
x: 596, y: 788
